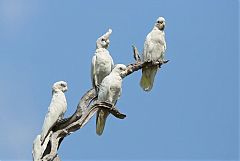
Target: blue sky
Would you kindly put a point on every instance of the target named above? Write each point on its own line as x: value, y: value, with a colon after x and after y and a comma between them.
x: 191, y: 113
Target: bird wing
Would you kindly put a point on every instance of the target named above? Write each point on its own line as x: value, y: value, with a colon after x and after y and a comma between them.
x: 56, y: 110
x: 115, y: 90
x: 93, y: 72
x: 50, y: 119
x: 148, y: 47
x: 104, y: 89
x: 112, y: 64
x: 103, y: 95
x: 149, y: 54
x: 37, y: 149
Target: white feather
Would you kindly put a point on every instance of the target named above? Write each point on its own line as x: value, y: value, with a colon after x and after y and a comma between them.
x: 109, y: 91
x: 37, y: 149
x: 154, y: 49
x: 102, y: 62
x: 56, y: 109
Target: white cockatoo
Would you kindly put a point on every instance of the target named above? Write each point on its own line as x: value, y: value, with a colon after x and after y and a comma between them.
x: 154, y: 49
x: 56, y: 109
x: 102, y: 62
x: 109, y: 91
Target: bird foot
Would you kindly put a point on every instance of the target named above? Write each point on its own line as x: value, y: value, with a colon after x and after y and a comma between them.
x: 155, y: 62
x: 148, y: 60
x: 109, y: 102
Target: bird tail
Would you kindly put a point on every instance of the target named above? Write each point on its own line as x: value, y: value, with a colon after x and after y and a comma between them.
x: 44, y: 132
x: 48, y: 123
x: 37, y: 149
x: 101, y: 120
x: 148, y: 75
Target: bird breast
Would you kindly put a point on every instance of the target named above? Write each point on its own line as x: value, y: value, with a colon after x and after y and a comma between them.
x: 116, y: 84
x: 104, y: 61
x: 158, y: 37
x: 115, y: 90
x: 58, y: 103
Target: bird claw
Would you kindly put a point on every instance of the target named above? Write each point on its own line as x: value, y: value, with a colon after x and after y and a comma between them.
x: 165, y: 61
x: 65, y: 131
x: 162, y: 61
x: 155, y: 61
x: 109, y: 102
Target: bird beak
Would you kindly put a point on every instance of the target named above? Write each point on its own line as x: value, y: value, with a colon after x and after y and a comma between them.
x: 163, y: 26
x: 123, y: 74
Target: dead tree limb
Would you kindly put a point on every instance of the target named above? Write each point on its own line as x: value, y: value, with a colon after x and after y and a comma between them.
x: 87, y: 107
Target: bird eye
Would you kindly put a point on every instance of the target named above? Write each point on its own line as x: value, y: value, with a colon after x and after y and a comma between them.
x: 158, y: 21
x: 63, y: 85
x: 121, y: 68
x: 103, y: 39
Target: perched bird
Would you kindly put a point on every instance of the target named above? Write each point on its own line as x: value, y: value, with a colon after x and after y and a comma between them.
x: 109, y: 91
x: 102, y: 62
x: 154, y: 49
x: 56, y: 109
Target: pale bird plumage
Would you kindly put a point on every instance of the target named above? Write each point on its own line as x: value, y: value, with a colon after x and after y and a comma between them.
x: 37, y: 149
x: 102, y: 62
x: 109, y: 91
x: 154, y: 49
x: 56, y: 109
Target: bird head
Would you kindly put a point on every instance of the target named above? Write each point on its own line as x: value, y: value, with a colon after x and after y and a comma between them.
x: 120, y: 69
x: 60, y: 86
x: 160, y: 23
x: 103, y: 41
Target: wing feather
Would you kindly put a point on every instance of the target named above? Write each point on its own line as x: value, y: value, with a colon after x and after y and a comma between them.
x: 93, y: 71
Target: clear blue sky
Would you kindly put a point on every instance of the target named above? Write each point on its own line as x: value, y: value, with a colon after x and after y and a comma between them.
x: 191, y: 113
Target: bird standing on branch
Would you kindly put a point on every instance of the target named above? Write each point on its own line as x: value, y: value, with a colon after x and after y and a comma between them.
x: 109, y: 91
x: 154, y: 49
x: 56, y: 109
x: 102, y: 62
